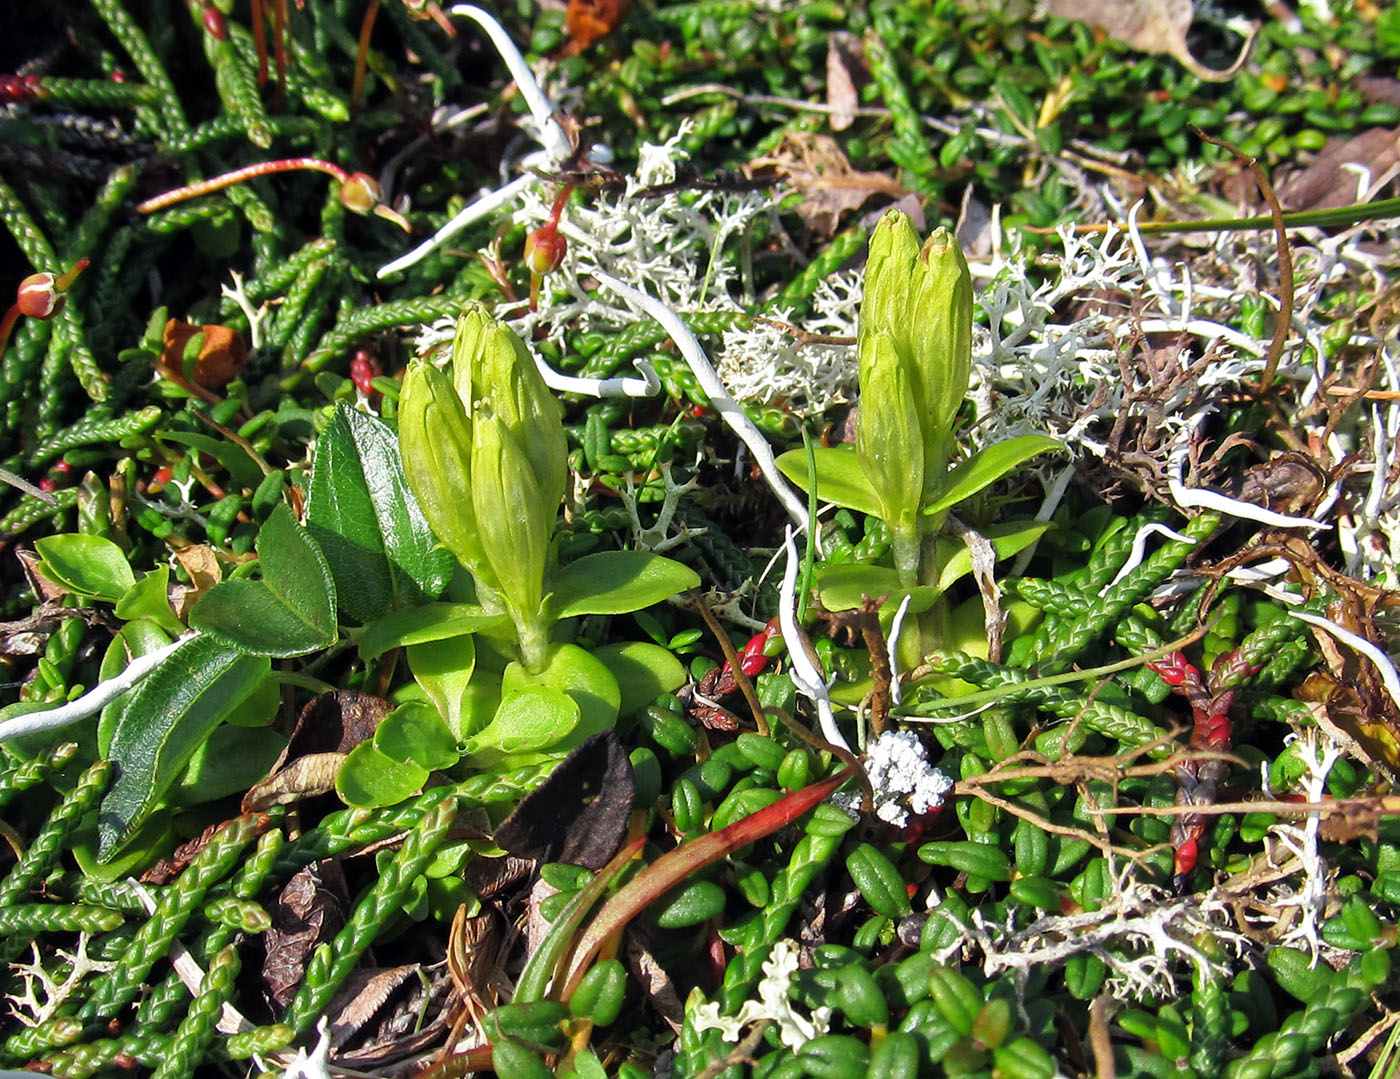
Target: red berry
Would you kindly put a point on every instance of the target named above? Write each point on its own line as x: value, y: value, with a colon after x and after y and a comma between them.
x: 364, y: 369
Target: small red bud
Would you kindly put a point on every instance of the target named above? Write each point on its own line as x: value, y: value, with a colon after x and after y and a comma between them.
x: 544, y: 250
x: 38, y: 296
x: 48, y: 486
x: 359, y: 193
x: 63, y: 468
x: 364, y: 369
x: 214, y: 23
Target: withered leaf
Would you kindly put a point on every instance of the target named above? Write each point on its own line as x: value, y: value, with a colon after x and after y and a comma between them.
x: 306, y: 776
x: 1329, y: 182
x: 1153, y: 26
x: 842, y: 48
x: 579, y: 813
x: 333, y: 723
x: 309, y: 909
x: 817, y: 167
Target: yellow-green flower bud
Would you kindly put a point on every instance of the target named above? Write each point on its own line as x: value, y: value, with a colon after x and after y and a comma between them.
x: 491, y: 364
x: 516, y: 521
x: 920, y: 300
x: 435, y: 438
x: 889, y: 444
x: 940, y: 324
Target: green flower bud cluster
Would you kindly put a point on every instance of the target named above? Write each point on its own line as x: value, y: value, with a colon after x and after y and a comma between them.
x: 485, y: 455
x: 914, y: 347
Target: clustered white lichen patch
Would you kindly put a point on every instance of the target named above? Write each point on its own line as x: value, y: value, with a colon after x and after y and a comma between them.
x: 794, y: 1028
x: 904, y: 781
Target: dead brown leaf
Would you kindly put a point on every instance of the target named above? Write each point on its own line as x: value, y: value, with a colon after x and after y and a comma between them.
x: 305, y: 777
x: 310, y: 909
x: 1152, y: 26
x: 202, y: 565
x: 1328, y: 182
x: 842, y: 59
x: 817, y: 167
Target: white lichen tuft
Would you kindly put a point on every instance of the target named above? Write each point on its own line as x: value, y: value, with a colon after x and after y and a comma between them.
x: 794, y: 1028
x: 903, y: 780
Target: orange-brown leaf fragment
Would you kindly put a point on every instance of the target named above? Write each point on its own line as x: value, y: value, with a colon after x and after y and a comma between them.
x: 588, y: 20
x: 817, y: 167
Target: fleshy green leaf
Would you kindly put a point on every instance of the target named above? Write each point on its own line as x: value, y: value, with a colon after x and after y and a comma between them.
x: 579, y: 673
x: 369, y: 779
x: 381, y: 550
x: 842, y: 588
x: 170, y: 715
x: 617, y: 582
x: 290, y: 612
x: 414, y: 732
x: 86, y: 565
x: 643, y: 671
x: 840, y: 478
x: 148, y: 598
x: 419, y: 625
x: 532, y: 717
x: 989, y: 465
x: 955, y: 560
x: 443, y: 670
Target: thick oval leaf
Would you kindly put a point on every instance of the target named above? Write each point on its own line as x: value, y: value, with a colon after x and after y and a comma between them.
x: 86, y: 565
x: 414, y: 732
x: 170, y: 715
x: 530, y: 718
x: 643, y: 671
x: 290, y: 612
x: 581, y: 675
x: 617, y: 582
x: 840, y: 478
x: 419, y: 625
x: 443, y: 670
x: 368, y: 778
x: 843, y: 587
x: 371, y: 528
x: 989, y: 465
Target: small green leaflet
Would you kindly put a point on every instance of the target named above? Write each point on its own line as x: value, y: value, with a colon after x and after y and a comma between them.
x: 290, y: 612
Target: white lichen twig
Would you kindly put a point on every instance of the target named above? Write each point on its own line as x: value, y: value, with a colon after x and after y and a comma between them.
x: 91, y: 702
x: 1139, y: 550
x: 803, y: 672
x: 1385, y: 666
x: 727, y: 408
x: 548, y: 131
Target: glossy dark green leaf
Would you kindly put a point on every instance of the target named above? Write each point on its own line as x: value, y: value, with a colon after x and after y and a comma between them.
x: 290, y: 612
x: 86, y: 565
x: 169, y: 716
x: 362, y: 513
x: 616, y: 582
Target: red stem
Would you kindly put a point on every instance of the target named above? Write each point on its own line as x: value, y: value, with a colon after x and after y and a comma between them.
x: 237, y: 176
x: 674, y: 866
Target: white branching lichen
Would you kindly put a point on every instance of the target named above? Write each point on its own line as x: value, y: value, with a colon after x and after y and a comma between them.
x: 794, y: 1028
